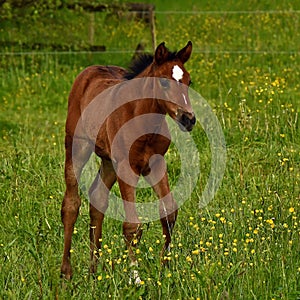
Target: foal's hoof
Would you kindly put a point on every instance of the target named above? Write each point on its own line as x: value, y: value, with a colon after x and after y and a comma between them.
x: 93, y: 270
x: 66, y: 276
x: 165, y: 262
x: 135, y: 278
x: 66, y: 272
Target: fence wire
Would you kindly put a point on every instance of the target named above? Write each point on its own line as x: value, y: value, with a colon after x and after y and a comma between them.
x: 195, y: 50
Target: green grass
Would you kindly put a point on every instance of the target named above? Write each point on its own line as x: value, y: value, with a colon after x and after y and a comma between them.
x: 244, y: 245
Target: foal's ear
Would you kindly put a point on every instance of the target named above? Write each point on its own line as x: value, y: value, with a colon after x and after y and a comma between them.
x: 161, y: 53
x: 185, y: 53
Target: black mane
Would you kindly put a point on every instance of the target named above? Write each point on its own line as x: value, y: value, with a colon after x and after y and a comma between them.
x: 138, y: 64
x: 141, y: 62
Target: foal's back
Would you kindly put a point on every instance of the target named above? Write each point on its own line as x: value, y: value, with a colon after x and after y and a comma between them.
x: 87, y: 85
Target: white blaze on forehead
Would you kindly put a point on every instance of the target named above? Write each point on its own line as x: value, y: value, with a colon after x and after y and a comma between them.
x: 184, y: 98
x: 177, y: 73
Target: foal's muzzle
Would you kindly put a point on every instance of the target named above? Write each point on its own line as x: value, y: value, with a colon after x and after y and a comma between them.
x: 186, y: 120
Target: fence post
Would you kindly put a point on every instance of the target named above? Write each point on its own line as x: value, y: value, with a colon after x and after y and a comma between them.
x: 152, y: 26
x: 92, y: 28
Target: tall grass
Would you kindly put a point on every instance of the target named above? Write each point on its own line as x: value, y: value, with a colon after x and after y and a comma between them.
x: 244, y: 245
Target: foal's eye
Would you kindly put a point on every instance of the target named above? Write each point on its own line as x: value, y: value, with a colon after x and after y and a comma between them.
x: 164, y: 82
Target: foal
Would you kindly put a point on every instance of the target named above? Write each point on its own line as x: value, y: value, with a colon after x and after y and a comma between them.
x: 98, y: 93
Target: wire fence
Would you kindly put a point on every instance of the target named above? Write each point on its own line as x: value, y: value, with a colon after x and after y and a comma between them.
x: 292, y: 15
x: 226, y: 12
x: 198, y: 51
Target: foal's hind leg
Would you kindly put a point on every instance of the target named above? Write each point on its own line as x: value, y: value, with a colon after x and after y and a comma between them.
x: 77, y: 155
x: 99, y: 192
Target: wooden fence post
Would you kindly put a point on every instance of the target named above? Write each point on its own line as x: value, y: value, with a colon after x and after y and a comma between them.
x: 92, y: 28
x: 152, y: 26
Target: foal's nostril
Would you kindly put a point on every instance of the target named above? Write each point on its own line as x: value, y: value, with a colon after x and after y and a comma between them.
x: 188, y: 122
x: 184, y: 119
x: 193, y: 120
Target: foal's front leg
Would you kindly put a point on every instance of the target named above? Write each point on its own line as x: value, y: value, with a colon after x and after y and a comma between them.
x: 132, y: 229
x: 158, y: 179
x: 168, y: 210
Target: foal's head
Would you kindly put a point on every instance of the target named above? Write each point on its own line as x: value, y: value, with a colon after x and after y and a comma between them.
x: 171, y: 82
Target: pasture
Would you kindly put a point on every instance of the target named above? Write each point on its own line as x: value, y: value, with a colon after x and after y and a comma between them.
x: 245, y: 243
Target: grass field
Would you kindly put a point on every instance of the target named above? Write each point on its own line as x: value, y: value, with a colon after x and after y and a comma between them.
x: 244, y: 245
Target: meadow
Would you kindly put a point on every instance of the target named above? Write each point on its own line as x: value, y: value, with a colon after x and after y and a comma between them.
x: 245, y: 243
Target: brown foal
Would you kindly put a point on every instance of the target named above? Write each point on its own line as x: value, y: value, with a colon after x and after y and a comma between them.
x: 97, y: 112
